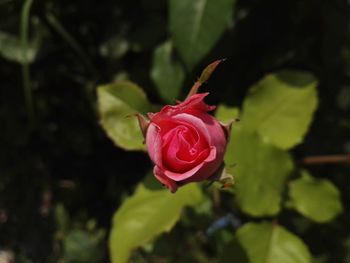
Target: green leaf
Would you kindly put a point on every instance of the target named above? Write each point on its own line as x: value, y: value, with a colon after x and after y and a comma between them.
x: 117, y: 104
x: 266, y: 243
x: 196, y: 25
x: 166, y: 73
x: 280, y: 107
x: 11, y: 49
x: 260, y: 170
x: 82, y: 246
x: 115, y: 47
x: 145, y: 215
x: 317, y: 199
x: 226, y: 114
x: 62, y: 218
x: 233, y: 250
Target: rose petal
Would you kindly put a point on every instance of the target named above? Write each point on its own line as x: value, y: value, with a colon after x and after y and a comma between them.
x: 179, y: 129
x: 189, y: 135
x: 176, y: 152
x: 204, y: 173
x: 198, y: 124
x: 159, y: 174
x: 217, y: 133
x: 194, y: 102
x: 154, y: 144
x: 177, y: 165
x: 182, y: 176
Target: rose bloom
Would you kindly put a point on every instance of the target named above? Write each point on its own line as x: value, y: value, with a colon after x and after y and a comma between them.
x: 185, y: 143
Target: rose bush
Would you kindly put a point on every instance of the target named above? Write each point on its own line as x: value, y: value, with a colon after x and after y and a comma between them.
x: 185, y: 143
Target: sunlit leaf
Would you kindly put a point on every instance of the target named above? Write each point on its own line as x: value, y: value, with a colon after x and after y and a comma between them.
x: 117, y: 103
x: 280, y: 107
x: 266, y: 243
x: 317, y: 199
x: 260, y: 170
x: 196, y: 25
x: 145, y: 215
x: 226, y: 114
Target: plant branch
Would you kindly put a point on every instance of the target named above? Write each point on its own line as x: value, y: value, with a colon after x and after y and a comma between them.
x: 326, y: 159
x: 71, y: 41
x: 25, y: 65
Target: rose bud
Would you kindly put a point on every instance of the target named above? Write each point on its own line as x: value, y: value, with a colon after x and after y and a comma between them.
x: 185, y: 143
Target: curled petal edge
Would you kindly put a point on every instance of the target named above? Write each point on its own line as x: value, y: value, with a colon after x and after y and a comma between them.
x: 228, y: 126
x: 183, y: 176
x: 195, y: 102
x: 167, y: 182
x: 143, y: 123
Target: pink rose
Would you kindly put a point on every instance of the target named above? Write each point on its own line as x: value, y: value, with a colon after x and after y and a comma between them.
x: 185, y: 143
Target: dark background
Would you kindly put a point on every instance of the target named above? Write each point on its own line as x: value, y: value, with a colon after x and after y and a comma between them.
x: 65, y: 156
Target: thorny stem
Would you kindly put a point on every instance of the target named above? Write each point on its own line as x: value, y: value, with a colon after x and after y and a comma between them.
x: 326, y: 159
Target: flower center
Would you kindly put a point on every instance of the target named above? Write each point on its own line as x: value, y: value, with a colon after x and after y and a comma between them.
x: 188, y: 143
x: 183, y: 148
x: 193, y: 151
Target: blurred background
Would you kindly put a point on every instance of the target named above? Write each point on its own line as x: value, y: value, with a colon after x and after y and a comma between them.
x: 62, y: 178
